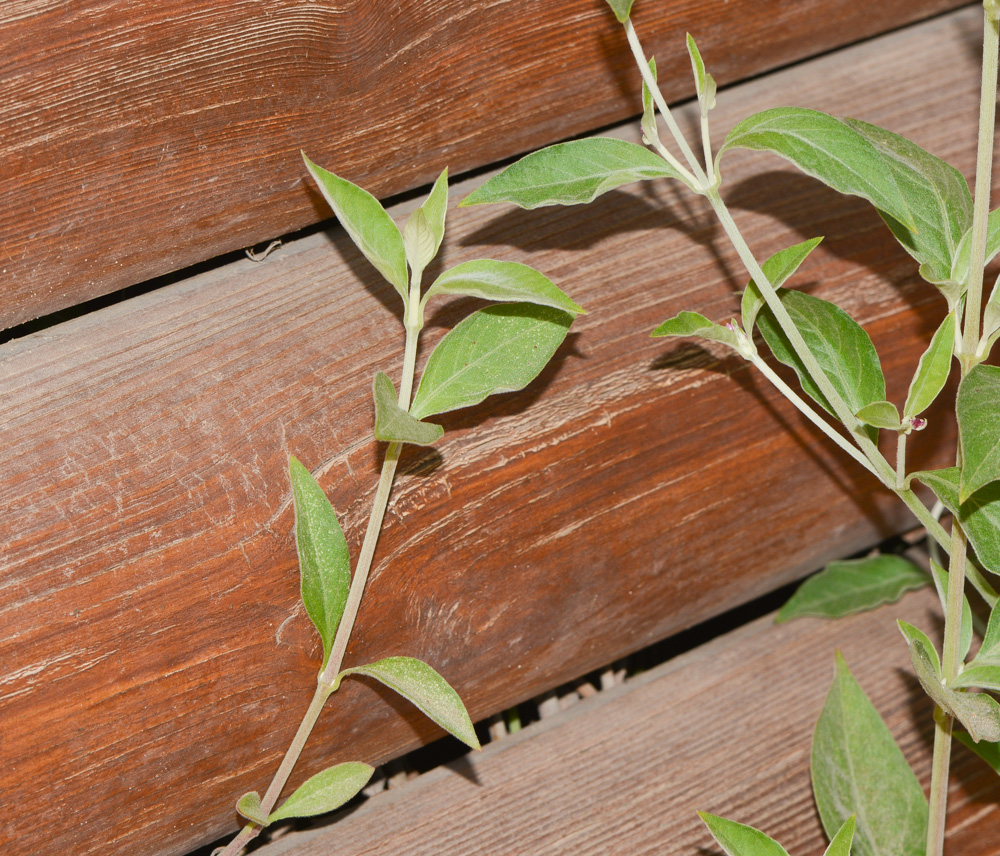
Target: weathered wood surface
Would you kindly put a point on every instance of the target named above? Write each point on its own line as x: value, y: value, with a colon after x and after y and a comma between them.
x: 153, y: 658
x: 136, y: 142
x: 725, y: 728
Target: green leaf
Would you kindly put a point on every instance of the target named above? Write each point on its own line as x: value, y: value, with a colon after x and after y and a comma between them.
x: 941, y: 584
x: 989, y: 651
x: 325, y: 791
x: 703, y: 81
x: 419, y: 683
x: 572, y: 173
x: 978, y: 712
x: 621, y: 8
x: 395, y: 425
x: 841, y: 346
x: 984, y: 670
x: 880, y: 414
x: 979, y: 515
x: 249, y: 807
x: 933, y: 369
x: 841, y: 843
x: 989, y: 752
x: 497, y: 349
x: 857, y: 768
x: 695, y: 324
x: 778, y: 268
x: 324, y: 560
x: 366, y: 221
x: 424, y: 230
x: 927, y: 201
x: 502, y: 281
x: 648, y: 124
x: 979, y: 428
x: 855, y: 585
x: 986, y: 677
x: 960, y: 267
x: 737, y: 839
x: 914, y: 635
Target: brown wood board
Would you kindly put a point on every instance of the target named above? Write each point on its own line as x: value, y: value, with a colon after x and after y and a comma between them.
x: 153, y: 653
x: 725, y: 728
x: 139, y: 140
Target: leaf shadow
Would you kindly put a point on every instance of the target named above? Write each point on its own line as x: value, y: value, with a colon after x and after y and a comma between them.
x: 851, y: 228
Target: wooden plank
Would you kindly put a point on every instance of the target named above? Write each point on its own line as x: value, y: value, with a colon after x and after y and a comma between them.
x: 153, y: 656
x: 725, y: 728
x: 137, y: 144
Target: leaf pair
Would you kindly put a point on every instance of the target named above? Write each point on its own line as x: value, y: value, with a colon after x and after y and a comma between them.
x: 374, y: 233
x: 325, y: 569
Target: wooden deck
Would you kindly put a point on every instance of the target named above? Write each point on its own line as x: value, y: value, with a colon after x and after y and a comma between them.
x: 724, y: 728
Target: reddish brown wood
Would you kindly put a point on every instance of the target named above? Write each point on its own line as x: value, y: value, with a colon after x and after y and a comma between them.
x: 154, y: 660
x: 138, y: 141
x: 725, y: 728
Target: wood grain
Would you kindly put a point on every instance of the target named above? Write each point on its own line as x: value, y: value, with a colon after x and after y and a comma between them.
x: 725, y: 728
x: 139, y: 141
x: 154, y: 661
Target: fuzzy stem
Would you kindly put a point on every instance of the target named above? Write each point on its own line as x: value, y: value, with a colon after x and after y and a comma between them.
x: 695, y: 177
x: 951, y: 653
x: 413, y: 323
x: 811, y: 414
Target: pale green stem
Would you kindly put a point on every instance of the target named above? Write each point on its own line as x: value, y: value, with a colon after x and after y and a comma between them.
x: 951, y: 654
x: 984, y: 171
x: 413, y: 322
x: 841, y: 410
x: 695, y: 177
x: 811, y: 414
x: 901, y: 460
x: 706, y: 145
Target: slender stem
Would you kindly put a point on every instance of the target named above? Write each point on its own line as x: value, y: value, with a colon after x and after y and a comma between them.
x: 695, y: 177
x: 706, y: 145
x: 901, y: 460
x: 938, y: 799
x: 984, y: 168
x: 842, y: 411
x: 811, y: 414
x: 413, y: 323
x: 951, y: 654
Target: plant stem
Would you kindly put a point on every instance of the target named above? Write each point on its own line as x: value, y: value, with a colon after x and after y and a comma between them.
x: 413, y: 324
x: 842, y: 411
x: 811, y: 414
x: 951, y: 654
x: 698, y: 178
x: 900, y: 460
x: 984, y: 172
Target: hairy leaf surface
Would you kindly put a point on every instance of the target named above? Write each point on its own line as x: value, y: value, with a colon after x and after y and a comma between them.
x: 933, y: 369
x: 502, y: 281
x: 367, y: 223
x: 841, y: 346
x: 419, y: 683
x: 324, y: 560
x: 778, y: 268
x: 979, y: 428
x: 325, y: 791
x: 855, y: 585
x: 857, y: 768
x: 395, y: 425
x: 979, y: 514
x: 572, y: 173
x: 497, y: 349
